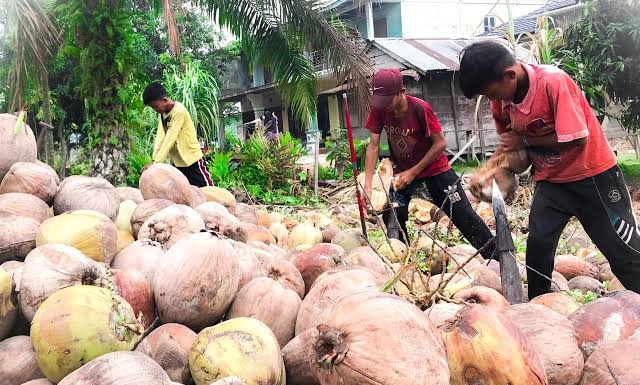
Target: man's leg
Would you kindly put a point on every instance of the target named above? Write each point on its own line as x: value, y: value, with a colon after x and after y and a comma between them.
x: 459, y: 209
x: 547, y: 219
x: 197, y: 174
x: 609, y: 221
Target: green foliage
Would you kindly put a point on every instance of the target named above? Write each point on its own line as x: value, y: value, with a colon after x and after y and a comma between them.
x: 222, y: 169
x: 327, y: 173
x: 547, y: 42
x: 338, y: 153
x: 583, y: 298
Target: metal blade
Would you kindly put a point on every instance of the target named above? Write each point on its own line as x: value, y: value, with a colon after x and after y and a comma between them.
x: 496, y: 196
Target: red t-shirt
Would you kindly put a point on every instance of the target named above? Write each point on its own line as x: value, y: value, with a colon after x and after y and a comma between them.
x: 555, y: 103
x: 409, y: 140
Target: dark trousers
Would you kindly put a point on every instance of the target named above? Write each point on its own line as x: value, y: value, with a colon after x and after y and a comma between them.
x: 603, y: 206
x: 197, y: 174
x: 457, y: 207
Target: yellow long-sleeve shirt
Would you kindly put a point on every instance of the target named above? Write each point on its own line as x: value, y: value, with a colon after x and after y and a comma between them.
x: 179, y: 140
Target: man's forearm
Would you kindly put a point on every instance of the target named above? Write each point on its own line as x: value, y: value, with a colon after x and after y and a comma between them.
x: 370, y: 161
x: 551, y: 141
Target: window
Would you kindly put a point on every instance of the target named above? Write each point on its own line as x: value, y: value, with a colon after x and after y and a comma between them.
x: 489, y: 23
x: 380, y: 28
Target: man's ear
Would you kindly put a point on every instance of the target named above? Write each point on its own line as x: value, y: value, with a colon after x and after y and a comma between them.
x: 509, y: 73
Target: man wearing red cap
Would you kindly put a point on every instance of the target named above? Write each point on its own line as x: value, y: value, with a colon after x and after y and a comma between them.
x: 417, y: 148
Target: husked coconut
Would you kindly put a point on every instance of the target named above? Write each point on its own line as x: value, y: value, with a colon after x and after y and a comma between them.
x: 163, y: 181
x: 367, y: 257
x: 24, y: 205
x: 37, y: 179
x: 119, y: 368
x: 329, y: 288
x: 144, y: 211
x: 123, y: 222
x: 481, y: 183
x: 436, y: 257
x: 243, y: 347
x: 270, y: 302
x: 246, y: 213
x: 142, y: 255
x: 560, y: 302
x: 442, y: 312
x: 220, y: 195
x: 395, y: 250
x: 348, y: 348
x: 170, y: 345
x: 49, y: 268
x: 247, y: 263
x: 286, y: 274
x: 17, y: 137
x: 571, y: 266
x: 296, y: 359
x: 196, y: 281
x: 349, y: 239
x: 613, y: 364
x: 8, y: 310
x: 553, y: 338
x: 129, y: 194
x: 18, y: 362
x: 79, y: 192
x: 218, y: 219
x: 304, y: 234
x: 17, y: 236
x: 92, y: 233
x: 170, y: 224
x: 316, y: 260
x: 484, y: 296
x: 483, y: 346
x: 587, y: 284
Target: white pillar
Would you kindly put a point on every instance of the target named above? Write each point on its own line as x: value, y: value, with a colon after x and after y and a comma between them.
x: 368, y: 13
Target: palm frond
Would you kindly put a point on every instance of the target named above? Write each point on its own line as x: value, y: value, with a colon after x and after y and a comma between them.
x: 32, y: 39
x: 169, y: 17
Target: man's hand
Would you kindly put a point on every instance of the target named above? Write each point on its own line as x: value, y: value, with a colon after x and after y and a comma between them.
x: 367, y: 191
x: 510, y: 141
x: 403, y: 179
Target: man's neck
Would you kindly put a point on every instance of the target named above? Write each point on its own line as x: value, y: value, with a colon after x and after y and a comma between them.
x: 171, y: 105
x: 522, y: 87
x: 404, y: 106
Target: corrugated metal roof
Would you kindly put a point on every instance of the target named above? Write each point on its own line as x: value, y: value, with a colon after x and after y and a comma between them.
x: 427, y: 55
x: 529, y: 22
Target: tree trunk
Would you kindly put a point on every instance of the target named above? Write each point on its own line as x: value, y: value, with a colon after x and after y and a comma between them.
x: 110, y: 156
x: 46, y: 114
x: 64, y: 150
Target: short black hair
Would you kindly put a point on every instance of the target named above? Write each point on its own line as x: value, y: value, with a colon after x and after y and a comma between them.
x: 481, y: 64
x: 153, y: 92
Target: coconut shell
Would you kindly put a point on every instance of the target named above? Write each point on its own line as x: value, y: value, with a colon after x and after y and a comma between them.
x: 84, y: 193
x: 304, y: 234
x: 246, y: 213
x: 268, y: 301
x: 34, y: 179
x: 613, y: 364
x: 329, y: 233
x: 484, y: 296
x: 50, y: 268
x: 170, y: 224
x: 296, y: 359
x: 136, y: 290
x: 196, y: 281
x: 24, y: 205
x: 615, y: 317
x: 329, y: 289
x: 129, y: 194
x: 349, y: 239
x: 316, y: 260
x: 8, y: 309
x: 17, y: 236
x: 144, y: 211
x: 347, y: 349
x: 552, y: 336
x: 560, y: 302
x: 365, y: 256
x: 170, y: 345
x: 286, y: 274
x: 163, y: 181
x: 243, y: 347
x: 142, y: 255
x: 18, y: 138
x: 218, y: 219
x: 90, y: 232
x: 587, y: 284
x: 483, y: 346
x: 442, y: 312
x: 18, y: 362
x: 571, y: 266
x: 119, y: 368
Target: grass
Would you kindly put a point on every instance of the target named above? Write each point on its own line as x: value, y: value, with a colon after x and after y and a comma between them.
x: 630, y: 167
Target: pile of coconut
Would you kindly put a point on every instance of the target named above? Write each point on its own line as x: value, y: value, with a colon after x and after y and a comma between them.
x: 168, y: 283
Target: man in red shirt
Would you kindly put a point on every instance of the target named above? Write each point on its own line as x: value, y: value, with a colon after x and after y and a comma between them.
x: 417, y: 148
x: 540, y: 108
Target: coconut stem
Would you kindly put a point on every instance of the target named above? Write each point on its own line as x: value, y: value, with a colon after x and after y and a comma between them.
x: 330, y: 347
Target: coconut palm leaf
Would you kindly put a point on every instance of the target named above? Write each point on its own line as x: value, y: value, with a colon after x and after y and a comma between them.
x: 169, y: 17
x: 32, y: 39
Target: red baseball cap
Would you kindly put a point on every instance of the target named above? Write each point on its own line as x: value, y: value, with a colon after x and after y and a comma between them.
x: 386, y: 83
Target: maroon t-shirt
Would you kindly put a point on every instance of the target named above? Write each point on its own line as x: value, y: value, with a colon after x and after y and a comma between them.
x: 409, y: 139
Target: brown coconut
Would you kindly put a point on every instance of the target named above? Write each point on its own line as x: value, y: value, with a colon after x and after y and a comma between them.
x: 129, y: 194
x: 571, y: 266
x: 17, y: 236
x: 258, y: 233
x: 218, y: 219
x: 560, y: 302
x: 559, y: 284
x: 197, y: 197
x: 170, y: 224
x: 442, y: 312
x: 330, y: 287
x: 169, y: 345
x: 144, y: 211
x: 163, y: 181
x: 18, y: 362
x: 280, y: 233
x: 552, y: 336
x: 247, y: 263
x: 52, y: 267
x: 142, y: 255
x: 347, y: 349
x: 484, y: 296
x: 329, y: 233
x: 24, y: 205
x: 484, y: 347
x: 136, y: 289
x: 196, y: 281
x: 365, y: 256
x: 296, y: 359
x: 587, y: 284
x: 349, y: 239
x: 40, y: 381
x: 615, y: 363
x: 270, y: 302
x: 615, y: 317
x: 481, y: 183
x: 18, y: 142
x: 286, y: 273
x: 37, y: 179
x: 316, y: 260
x: 246, y: 213
x: 220, y: 195
x: 79, y: 192
x: 605, y: 272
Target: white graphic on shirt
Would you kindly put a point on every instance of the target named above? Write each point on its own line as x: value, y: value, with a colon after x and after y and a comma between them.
x: 614, y: 196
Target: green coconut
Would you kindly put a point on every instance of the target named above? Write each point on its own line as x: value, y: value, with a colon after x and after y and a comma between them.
x: 79, y: 323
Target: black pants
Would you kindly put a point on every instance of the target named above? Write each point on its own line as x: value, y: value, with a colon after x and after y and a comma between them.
x: 197, y: 174
x: 603, y: 206
x: 457, y: 207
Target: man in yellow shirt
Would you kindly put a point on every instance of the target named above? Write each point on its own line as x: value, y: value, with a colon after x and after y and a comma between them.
x: 176, y: 137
